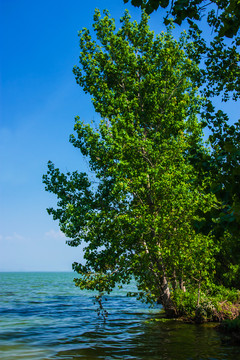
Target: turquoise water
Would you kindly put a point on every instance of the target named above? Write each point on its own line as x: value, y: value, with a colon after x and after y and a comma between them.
x: 43, y: 316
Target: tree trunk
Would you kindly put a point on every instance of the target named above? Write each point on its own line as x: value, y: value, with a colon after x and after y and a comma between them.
x: 199, y: 289
x: 174, y: 282
x: 165, y: 296
x: 181, y: 285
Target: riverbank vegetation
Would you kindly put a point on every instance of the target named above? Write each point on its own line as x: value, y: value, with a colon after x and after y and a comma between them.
x: 159, y: 203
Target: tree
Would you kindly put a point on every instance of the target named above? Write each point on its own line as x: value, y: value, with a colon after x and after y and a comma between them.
x: 137, y: 216
x: 220, y: 76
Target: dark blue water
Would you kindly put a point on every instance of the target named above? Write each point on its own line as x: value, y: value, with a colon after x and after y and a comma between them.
x: 43, y: 316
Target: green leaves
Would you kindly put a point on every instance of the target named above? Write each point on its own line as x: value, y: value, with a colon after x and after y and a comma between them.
x: 136, y: 217
x: 219, y: 56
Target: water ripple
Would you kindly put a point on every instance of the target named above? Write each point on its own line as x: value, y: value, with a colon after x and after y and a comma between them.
x: 47, y: 318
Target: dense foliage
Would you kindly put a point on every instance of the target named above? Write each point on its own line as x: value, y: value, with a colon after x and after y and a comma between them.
x: 150, y: 210
x: 219, y: 56
x: 219, y: 59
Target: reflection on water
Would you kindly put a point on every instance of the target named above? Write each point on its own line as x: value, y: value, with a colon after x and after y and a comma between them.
x: 43, y: 316
x: 154, y: 340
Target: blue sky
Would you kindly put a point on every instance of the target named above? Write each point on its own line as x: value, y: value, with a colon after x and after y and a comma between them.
x: 39, y: 100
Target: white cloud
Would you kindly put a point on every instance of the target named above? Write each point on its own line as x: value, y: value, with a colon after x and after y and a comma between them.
x: 55, y: 234
x: 14, y: 236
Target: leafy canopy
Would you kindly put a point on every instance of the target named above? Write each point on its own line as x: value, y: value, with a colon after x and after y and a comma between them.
x: 217, y: 53
x: 136, y: 217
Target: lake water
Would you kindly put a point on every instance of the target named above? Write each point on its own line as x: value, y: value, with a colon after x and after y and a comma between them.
x: 44, y: 316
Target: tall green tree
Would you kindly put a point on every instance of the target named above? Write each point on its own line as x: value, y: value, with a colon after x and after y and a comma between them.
x: 137, y: 216
x: 220, y: 77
